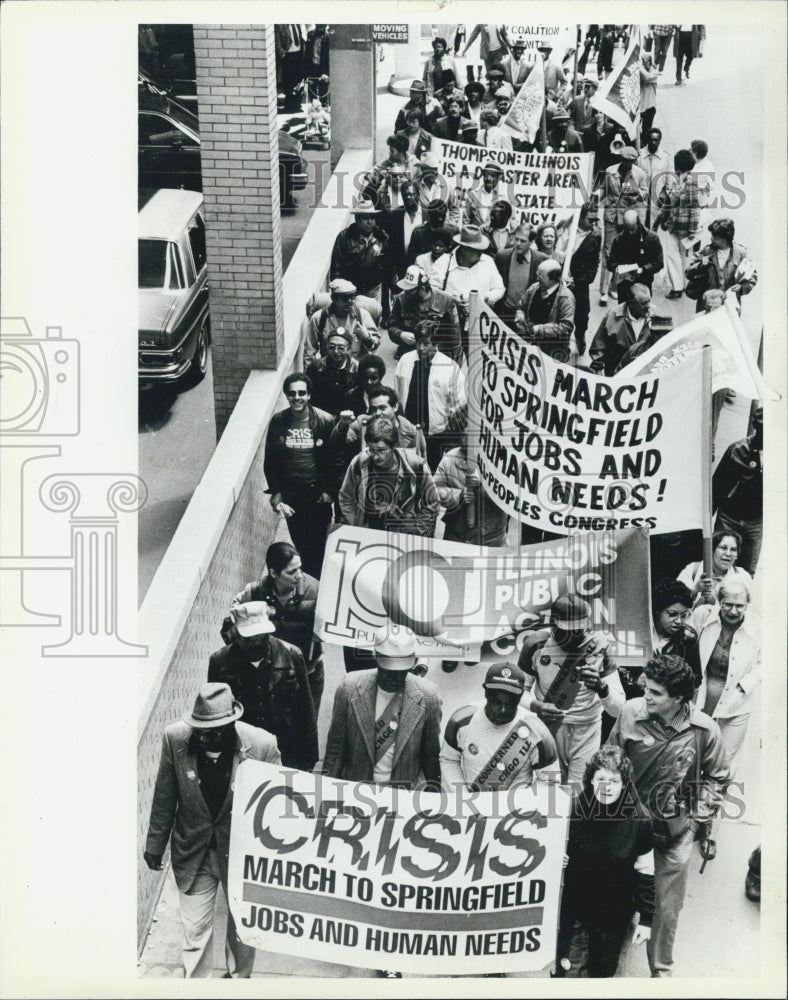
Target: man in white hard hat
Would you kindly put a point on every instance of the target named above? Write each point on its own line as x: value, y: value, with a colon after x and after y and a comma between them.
x: 385, y: 725
x: 192, y: 803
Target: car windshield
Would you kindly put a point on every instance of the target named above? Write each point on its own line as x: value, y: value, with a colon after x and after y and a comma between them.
x: 152, y: 263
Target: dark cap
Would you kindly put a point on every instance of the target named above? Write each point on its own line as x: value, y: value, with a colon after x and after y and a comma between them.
x: 505, y: 676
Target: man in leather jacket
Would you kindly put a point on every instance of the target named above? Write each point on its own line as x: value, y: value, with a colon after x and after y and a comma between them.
x: 270, y: 676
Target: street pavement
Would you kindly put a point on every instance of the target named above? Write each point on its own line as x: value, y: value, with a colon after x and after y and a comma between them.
x: 719, y: 929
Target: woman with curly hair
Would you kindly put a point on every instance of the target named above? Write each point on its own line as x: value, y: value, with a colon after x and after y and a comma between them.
x: 609, y: 870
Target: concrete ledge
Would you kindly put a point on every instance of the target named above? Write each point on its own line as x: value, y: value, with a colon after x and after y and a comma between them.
x: 173, y: 590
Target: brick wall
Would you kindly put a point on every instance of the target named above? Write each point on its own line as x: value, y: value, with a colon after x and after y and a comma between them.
x: 236, y: 92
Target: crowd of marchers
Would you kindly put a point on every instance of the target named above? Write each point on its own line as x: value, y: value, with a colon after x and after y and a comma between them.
x: 649, y: 753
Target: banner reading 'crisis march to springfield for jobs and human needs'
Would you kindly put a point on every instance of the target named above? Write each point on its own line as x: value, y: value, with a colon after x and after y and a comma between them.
x: 566, y: 450
x: 428, y: 883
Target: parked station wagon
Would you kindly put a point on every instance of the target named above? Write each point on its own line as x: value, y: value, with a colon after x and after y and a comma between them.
x: 174, y: 320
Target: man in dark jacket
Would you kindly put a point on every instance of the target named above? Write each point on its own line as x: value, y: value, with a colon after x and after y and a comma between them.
x: 271, y: 677
x: 635, y: 256
x: 622, y: 327
x: 452, y: 124
x: 737, y: 493
x: 517, y: 266
x: 421, y: 238
x: 335, y: 375
x: 361, y: 252
x: 418, y: 301
x: 299, y: 470
x: 583, y: 268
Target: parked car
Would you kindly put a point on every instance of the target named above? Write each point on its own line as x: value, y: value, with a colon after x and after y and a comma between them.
x: 169, y: 145
x: 174, y: 318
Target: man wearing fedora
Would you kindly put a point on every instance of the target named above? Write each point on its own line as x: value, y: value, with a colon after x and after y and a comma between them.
x: 192, y: 802
x: 495, y: 744
x: 515, y: 68
x: 361, y: 252
x: 481, y: 199
x: 554, y: 76
x: 419, y: 100
x: 269, y: 677
x: 385, y: 725
x: 466, y: 269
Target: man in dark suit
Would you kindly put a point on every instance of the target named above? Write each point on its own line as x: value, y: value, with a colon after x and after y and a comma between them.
x: 517, y: 266
x: 399, y: 223
x: 583, y: 268
x: 453, y: 123
x: 421, y: 239
x: 192, y: 801
x: 386, y: 722
x: 269, y: 678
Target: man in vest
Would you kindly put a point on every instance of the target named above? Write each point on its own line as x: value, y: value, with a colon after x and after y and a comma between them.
x: 496, y: 743
x: 573, y: 677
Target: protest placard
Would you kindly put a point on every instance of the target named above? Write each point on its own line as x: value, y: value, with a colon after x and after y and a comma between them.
x: 476, y: 603
x: 541, y: 187
x: 619, y: 95
x: 566, y: 450
x: 561, y: 37
x: 382, y: 878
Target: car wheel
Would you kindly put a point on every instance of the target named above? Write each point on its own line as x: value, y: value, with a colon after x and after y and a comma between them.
x: 199, y: 365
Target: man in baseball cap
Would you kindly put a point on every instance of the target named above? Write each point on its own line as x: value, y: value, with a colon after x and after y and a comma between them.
x: 192, y: 803
x: 572, y: 676
x: 496, y: 743
x: 269, y: 678
x: 385, y: 725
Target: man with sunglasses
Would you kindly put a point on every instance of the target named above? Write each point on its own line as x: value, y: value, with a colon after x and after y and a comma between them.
x: 299, y: 470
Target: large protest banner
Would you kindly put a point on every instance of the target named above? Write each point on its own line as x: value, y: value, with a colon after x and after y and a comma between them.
x: 381, y: 878
x: 477, y: 603
x: 541, y: 187
x: 733, y: 364
x: 566, y: 450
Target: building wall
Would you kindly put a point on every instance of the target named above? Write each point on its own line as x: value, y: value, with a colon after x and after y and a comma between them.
x: 236, y: 92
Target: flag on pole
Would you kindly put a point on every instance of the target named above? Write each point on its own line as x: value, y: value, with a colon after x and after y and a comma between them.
x: 733, y: 364
x: 525, y: 114
x: 619, y: 95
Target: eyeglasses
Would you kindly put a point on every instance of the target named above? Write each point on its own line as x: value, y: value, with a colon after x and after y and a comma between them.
x: 728, y: 606
x: 296, y: 392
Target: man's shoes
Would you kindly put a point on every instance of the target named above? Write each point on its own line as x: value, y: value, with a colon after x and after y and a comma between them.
x: 449, y: 666
x: 388, y: 974
x: 686, y: 73
x: 674, y: 293
x: 602, y: 300
x: 678, y: 82
x: 613, y: 294
x: 581, y: 346
x: 730, y: 396
x: 708, y: 849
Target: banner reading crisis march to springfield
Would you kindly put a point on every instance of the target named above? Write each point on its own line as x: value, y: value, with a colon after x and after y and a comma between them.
x: 540, y: 187
x: 477, y: 603
x: 381, y: 878
x: 565, y: 450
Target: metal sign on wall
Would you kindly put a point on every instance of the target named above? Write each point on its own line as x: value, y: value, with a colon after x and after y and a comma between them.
x: 390, y: 32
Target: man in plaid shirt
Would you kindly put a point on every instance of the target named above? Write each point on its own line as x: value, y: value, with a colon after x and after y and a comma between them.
x: 679, y: 216
x: 662, y: 34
